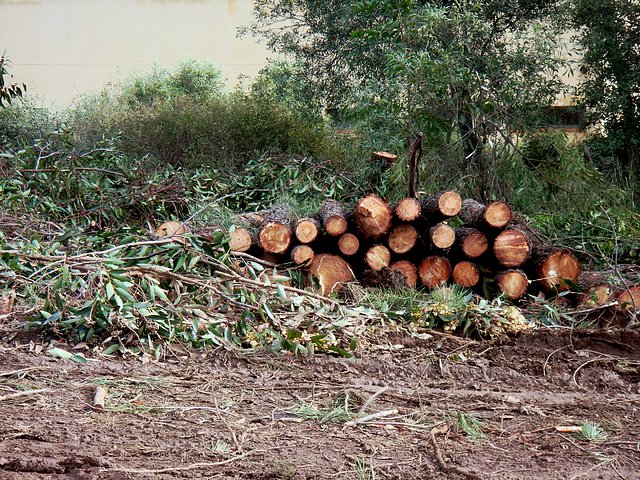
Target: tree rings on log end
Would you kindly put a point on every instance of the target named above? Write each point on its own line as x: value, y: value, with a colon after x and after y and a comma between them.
x: 434, y: 271
x: 512, y: 248
x: 513, y: 284
x: 466, y: 274
x: 556, y: 268
x: 348, y: 244
x: 329, y: 272
x: 402, y: 238
x: 407, y: 269
x: 442, y: 236
x: 378, y: 257
x: 275, y: 238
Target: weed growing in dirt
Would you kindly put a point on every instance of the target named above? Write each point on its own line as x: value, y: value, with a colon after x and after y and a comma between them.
x: 364, y: 470
x: 342, y: 408
x: 471, y: 425
x: 592, y: 432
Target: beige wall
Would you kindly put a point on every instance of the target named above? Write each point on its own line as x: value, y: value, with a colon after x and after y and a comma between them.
x: 63, y: 48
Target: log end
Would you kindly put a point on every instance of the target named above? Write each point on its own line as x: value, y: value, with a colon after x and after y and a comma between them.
x: 434, y: 271
x: 240, y: 240
x: 348, y: 244
x: 466, y: 274
x: 512, y: 248
x: 475, y: 244
x: 306, y: 230
x: 328, y: 273
x: 556, y: 269
x: 513, y: 284
x: 408, y: 270
x: 373, y: 216
x: 378, y: 257
x: 408, y: 209
x: 629, y: 299
x: 498, y: 214
x: 442, y: 236
x: 450, y: 204
x: 302, y: 254
x: 402, y: 238
x: 275, y: 238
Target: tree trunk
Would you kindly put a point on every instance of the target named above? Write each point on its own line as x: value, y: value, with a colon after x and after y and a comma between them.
x: 307, y: 230
x: 348, y: 244
x: 408, y: 209
x: 402, y: 238
x: 466, y: 274
x: 513, y: 284
x: 434, y: 271
x: 378, y: 257
x: 472, y: 242
x: 496, y: 215
x: 512, y: 248
x: 442, y: 236
x: 408, y: 270
x: 372, y: 216
x: 275, y: 233
x: 328, y: 273
x: 333, y: 217
x: 441, y: 206
x: 414, y: 160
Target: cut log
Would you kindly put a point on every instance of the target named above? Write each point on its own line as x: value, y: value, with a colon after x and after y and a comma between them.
x: 377, y: 257
x: 496, y: 215
x: 434, y: 271
x: 629, y: 298
x: 408, y: 209
x: 555, y: 269
x: 441, y: 205
x: 348, y: 244
x: 596, y: 289
x: 473, y: 243
x: 302, y: 254
x: 385, y: 158
x: 442, y: 236
x: 275, y: 232
x: 402, y: 238
x: 170, y: 229
x: 512, y: 248
x: 408, y: 270
x: 329, y: 272
x: 466, y: 274
x: 333, y: 217
x: 372, y: 216
x: 241, y: 239
x: 513, y: 284
x: 307, y: 230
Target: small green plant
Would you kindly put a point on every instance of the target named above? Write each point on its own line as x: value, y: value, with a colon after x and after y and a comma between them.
x: 592, y: 432
x: 471, y: 426
x: 364, y: 470
x: 343, y: 408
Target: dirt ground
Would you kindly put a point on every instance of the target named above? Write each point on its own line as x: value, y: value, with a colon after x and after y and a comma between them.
x: 221, y: 415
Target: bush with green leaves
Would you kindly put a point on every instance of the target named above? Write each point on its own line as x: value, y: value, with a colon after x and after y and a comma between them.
x: 186, y: 118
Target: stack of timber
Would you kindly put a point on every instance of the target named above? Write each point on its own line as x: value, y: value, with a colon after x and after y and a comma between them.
x: 422, y: 243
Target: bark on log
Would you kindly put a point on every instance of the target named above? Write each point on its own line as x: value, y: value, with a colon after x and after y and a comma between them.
x: 466, y: 274
x: 513, y: 284
x: 553, y: 267
x: 473, y: 243
x: 302, y: 254
x: 307, y: 230
x: 372, y: 216
x: 512, y: 248
x: 385, y: 278
x: 275, y: 233
x: 442, y: 236
x: 328, y: 273
x: 241, y: 239
x: 348, y: 244
x: 333, y: 217
x: 434, y: 271
x: 408, y: 209
x: 408, y: 270
x: 496, y: 215
x: 441, y: 206
x: 378, y: 257
x: 402, y: 238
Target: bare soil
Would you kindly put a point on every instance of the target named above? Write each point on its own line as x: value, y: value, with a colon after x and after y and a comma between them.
x: 216, y: 414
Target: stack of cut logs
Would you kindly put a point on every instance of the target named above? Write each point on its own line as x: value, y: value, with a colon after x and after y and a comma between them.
x: 412, y: 244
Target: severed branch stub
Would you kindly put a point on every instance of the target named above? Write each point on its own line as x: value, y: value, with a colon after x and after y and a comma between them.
x: 99, y: 397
